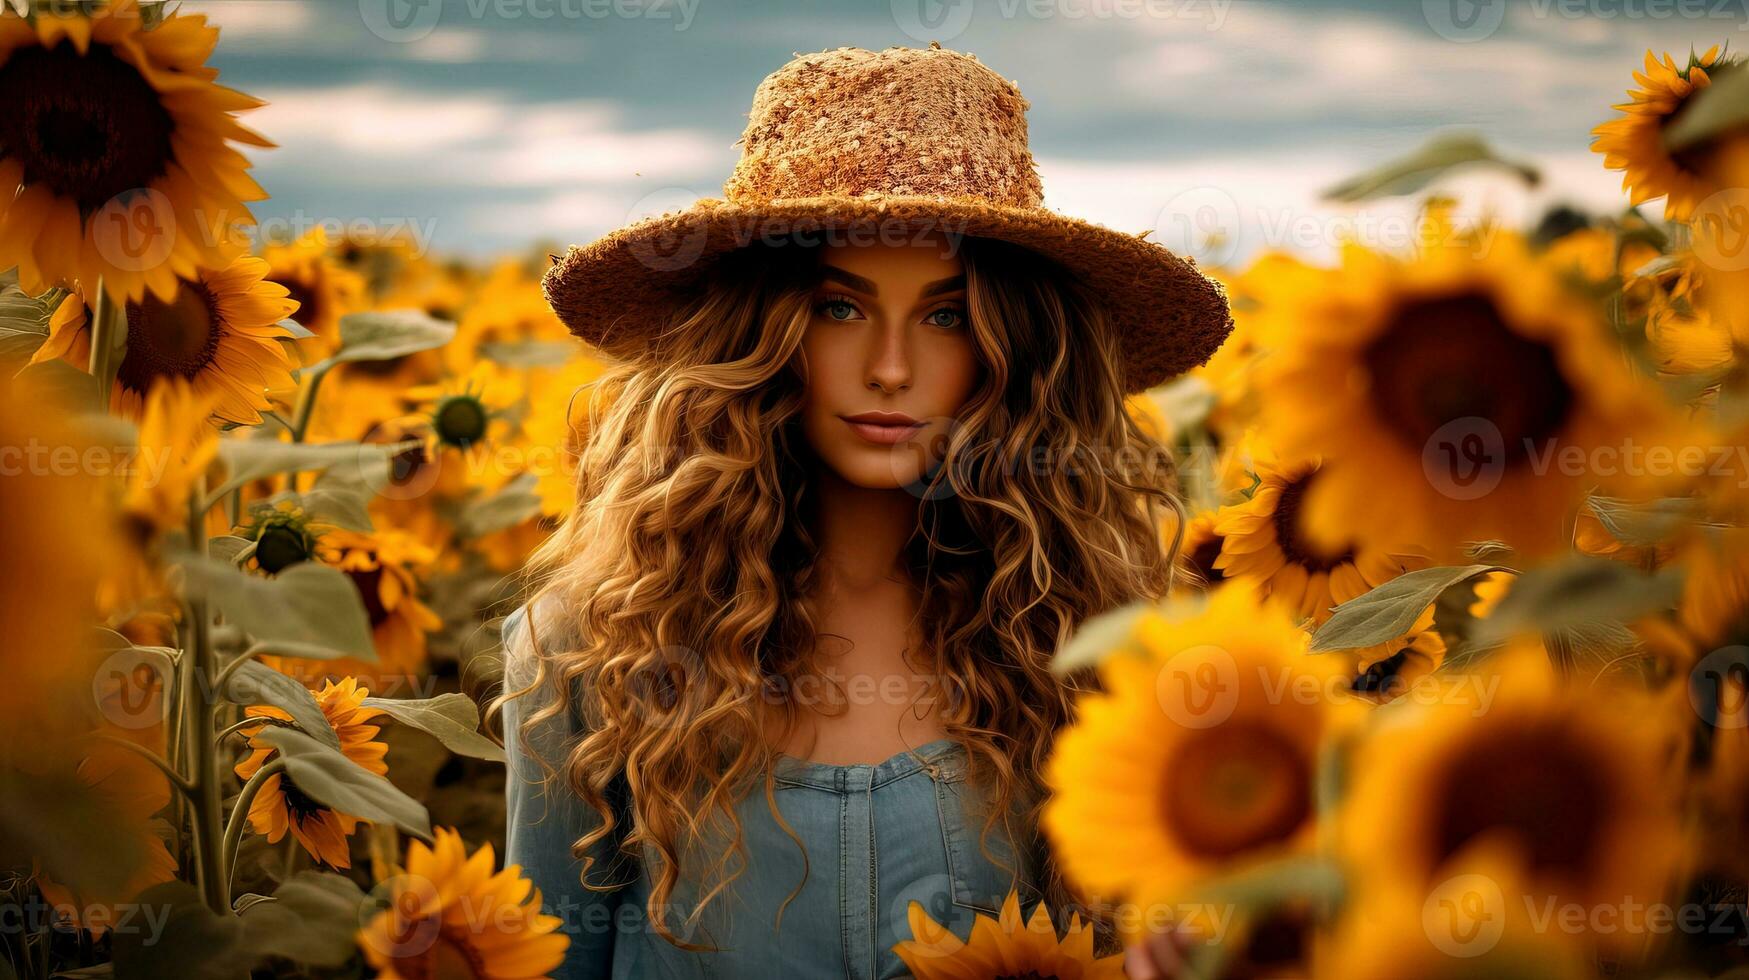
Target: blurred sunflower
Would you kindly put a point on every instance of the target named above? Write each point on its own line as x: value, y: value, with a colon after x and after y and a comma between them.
x: 323, y: 289
x: 1634, y: 143
x: 178, y: 442
x: 284, y: 534
x: 279, y: 806
x: 1466, y: 928
x: 114, y: 125
x: 1575, y: 788
x: 1461, y: 383
x: 508, y: 309
x: 556, y: 427
x: 1202, y: 546
x: 56, y: 538
x: 1006, y: 946
x: 220, y: 330
x: 1714, y: 608
x: 1265, y: 540
x: 1191, y: 761
x: 133, y: 790
x: 487, y: 926
x: 1390, y: 670
x: 383, y: 564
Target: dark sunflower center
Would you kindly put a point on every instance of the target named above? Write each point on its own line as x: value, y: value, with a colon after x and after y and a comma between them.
x: 1287, y: 530
x: 1531, y: 782
x: 1202, y: 559
x: 179, y: 338
x: 1276, y: 946
x: 1235, y: 787
x: 1441, y: 360
x: 369, y: 583
x: 308, y: 298
x: 299, y: 806
x: 460, y: 421
x: 280, y: 547
x: 88, y: 127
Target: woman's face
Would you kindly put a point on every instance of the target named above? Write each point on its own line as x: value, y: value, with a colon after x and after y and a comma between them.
x: 888, y: 360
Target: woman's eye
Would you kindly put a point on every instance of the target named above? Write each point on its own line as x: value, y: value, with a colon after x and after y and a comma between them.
x: 946, y: 317
x: 837, y: 309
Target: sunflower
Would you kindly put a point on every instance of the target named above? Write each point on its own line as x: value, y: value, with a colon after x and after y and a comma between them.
x: 56, y: 541
x: 449, y: 915
x: 279, y: 806
x: 113, y: 125
x: 1472, y: 925
x: 1199, y: 756
x: 557, y: 427
x: 219, y: 329
x: 383, y: 565
x: 323, y: 289
x: 284, y: 534
x: 509, y: 309
x: 1196, y: 557
x: 1575, y: 788
x: 466, y: 413
x: 1466, y: 385
x: 135, y: 792
x: 177, y: 444
x: 1634, y: 143
x: 1714, y: 608
x: 1265, y: 540
x: 1004, y: 947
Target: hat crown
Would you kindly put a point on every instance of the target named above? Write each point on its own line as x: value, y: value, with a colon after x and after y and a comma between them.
x: 903, y: 121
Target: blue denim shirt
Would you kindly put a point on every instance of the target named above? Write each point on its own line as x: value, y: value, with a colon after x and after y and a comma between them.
x: 874, y: 838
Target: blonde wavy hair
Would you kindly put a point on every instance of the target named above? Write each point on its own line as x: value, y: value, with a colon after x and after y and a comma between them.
x: 683, y: 567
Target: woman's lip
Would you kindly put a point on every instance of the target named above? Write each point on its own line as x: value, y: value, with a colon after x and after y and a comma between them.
x: 887, y: 434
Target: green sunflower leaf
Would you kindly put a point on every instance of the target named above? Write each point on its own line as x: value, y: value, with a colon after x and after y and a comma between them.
x: 382, y: 335
x: 327, y: 776
x: 1388, y: 611
x: 177, y: 937
x: 1436, y: 158
x: 311, y: 919
x: 253, y: 459
x: 1578, y: 592
x: 1719, y: 108
x: 253, y: 683
x: 308, y: 609
x: 453, y: 719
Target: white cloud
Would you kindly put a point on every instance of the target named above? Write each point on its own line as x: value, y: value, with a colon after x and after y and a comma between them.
x: 376, y: 133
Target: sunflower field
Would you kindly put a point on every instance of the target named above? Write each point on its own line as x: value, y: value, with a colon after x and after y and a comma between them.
x: 1455, y: 681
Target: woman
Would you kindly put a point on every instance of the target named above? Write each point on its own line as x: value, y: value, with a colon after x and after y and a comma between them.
x: 864, y: 468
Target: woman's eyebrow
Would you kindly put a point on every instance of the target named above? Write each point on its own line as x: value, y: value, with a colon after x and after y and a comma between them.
x: 861, y: 285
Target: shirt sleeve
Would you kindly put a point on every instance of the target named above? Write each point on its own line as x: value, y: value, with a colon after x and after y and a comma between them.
x: 544, y: 818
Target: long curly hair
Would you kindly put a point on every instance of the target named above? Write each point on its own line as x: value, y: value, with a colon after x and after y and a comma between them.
x: 682, y: 569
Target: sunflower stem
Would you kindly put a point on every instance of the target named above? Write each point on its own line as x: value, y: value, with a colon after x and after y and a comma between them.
x: 108, y: 344
x: 177, y: 780
x: 240, y: 815
x: 306, y: 403
x: 199, y: 699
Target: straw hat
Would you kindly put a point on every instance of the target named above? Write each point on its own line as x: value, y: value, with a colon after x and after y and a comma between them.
x: 906, y: 138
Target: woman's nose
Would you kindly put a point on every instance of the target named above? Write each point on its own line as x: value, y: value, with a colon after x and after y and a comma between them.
x: 889, y: 367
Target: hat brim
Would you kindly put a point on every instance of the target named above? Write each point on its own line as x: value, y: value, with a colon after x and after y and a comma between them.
x: 615, y: 291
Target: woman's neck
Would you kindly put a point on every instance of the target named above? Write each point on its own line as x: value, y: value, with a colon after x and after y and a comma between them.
x: 861, y: 532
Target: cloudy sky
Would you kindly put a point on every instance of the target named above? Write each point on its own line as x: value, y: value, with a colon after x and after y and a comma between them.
x: 484, y: 126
